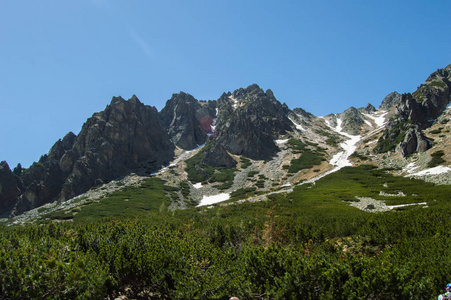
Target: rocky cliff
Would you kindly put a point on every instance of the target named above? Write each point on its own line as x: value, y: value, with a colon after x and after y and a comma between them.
x: 416, y: 112
x: 249, y: 120
x: 188, y: 120
x: 127, y: 136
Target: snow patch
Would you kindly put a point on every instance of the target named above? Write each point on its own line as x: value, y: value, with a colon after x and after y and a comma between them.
x: 279, y: 142
x: 410, y: 168
x: 432, y: 171
x: 448, y: 106
x: 298, y: 126
x: 403, y: 205
x: 378, y: 119
x: 327, y: 122
x: 340, y: 159
x: 235, y: 102
x: 208, y: 200
x: 197, y: 185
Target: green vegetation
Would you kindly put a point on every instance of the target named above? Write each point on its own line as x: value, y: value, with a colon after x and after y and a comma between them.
x: 200, y: 172
x: 437, y: 84
x: 252, y: 174
x: 419, y: 96
x: 359, y: 156
x: 129, y: 202
x: 436, y: 131
x: 260, y: 184
x: 245, y: 162
x: 242, y: 193
x: 309, y: 244
x: 308, y: 158
x: 185, y: 189
x: 332, y: 139
x: 436, y: 159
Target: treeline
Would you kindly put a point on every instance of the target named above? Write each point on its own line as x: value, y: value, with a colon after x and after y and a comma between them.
x: 295, y: 246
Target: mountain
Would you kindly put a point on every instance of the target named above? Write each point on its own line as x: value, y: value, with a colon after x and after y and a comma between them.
x: 127, y: 136
x: 188, y: 120
x: 415, y: 113
x: 222, y: 145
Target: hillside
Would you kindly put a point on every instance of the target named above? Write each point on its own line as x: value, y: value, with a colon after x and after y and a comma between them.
x: 240, y: 196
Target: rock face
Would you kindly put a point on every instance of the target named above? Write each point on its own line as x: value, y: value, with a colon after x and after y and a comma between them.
x: 352, y: 121
x: 249, y: 121
x: 368, y: 109
x: 416, y: 112
x: 188, y: 120
x: 392, y: 99
x: 127, y: 136
x: 9, y: 187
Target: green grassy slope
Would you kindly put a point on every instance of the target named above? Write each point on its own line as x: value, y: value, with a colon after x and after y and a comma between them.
x: 309, y: 244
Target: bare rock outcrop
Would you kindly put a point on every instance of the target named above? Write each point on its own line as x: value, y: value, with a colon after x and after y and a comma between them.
x: 416, y: 112
x: 126, y: 137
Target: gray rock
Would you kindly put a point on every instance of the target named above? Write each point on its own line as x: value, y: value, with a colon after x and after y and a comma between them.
x: 9, y: 188
x: 391, y: 100
x: 188, y: 120
x: 352, y: 121
x: 249, y: 120
x: 126, y: 137
x: 416, y: 112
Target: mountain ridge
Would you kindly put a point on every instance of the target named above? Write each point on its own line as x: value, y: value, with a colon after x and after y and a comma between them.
x: 248, y: 124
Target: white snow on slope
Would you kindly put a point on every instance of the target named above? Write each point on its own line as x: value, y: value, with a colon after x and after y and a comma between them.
x: 340, y: 159
x: 410, y: 168
x: 449, y: 105
x: 208, y: 200
x: 298, y: 126
x: 279, y: 142
x: 378, y: 119
x: 213, y: 126
x: 432, y: 171
x: 197, y: 185
x: 403, y: 205
x: 368, y: 123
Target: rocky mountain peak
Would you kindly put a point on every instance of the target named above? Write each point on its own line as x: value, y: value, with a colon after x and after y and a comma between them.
x: 352, y: 120
x: 126, y: 137
x: 188, y: 120
x: 368, y: 109
x: 391, y: 100
x: 416, y: 112
x: 249, y: 120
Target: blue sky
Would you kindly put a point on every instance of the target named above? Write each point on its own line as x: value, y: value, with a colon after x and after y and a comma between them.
x: 61, y: 61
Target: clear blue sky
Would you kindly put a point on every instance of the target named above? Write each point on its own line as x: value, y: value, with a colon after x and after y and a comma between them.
x: 61, y: 61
